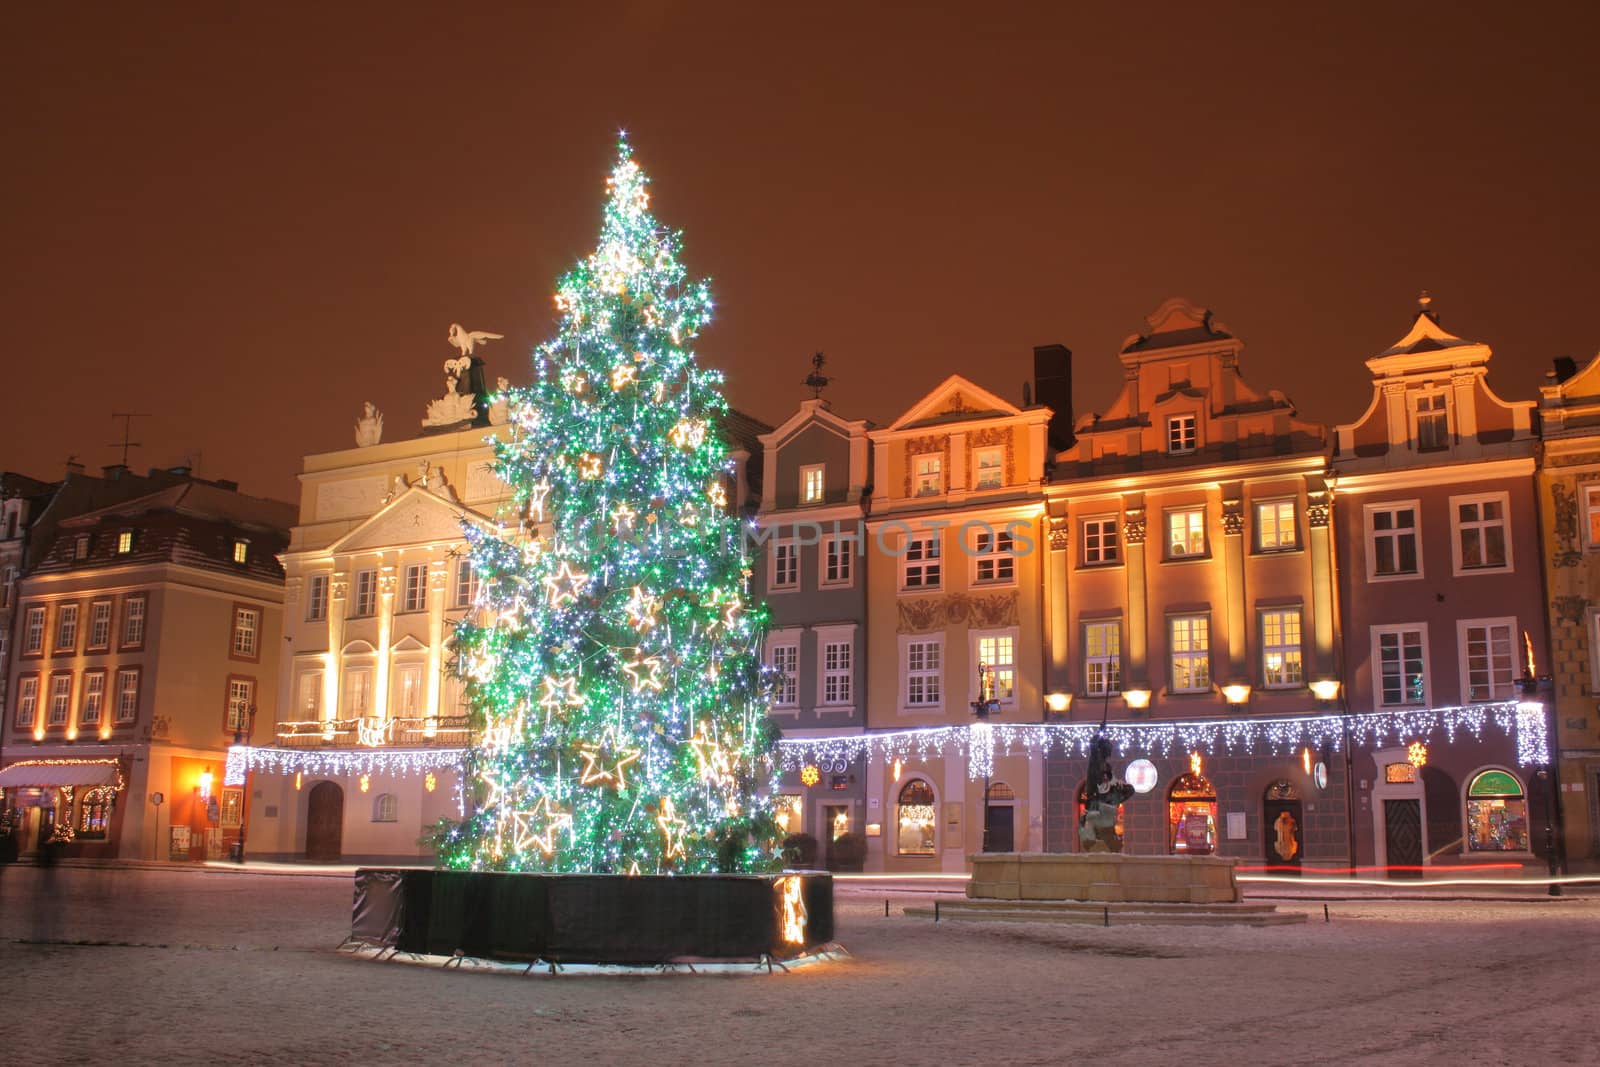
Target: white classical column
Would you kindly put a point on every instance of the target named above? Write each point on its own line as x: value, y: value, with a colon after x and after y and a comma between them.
x: 380, y: 684
x: 438, y: 588
x: 338, y: 604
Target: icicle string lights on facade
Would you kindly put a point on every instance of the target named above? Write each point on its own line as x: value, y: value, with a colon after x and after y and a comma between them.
x: 391, y: 762
x: 980, y: 742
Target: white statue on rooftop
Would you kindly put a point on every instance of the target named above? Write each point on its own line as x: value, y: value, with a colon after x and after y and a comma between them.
x: 500, y: 410
x: 455, y: 406
x: 369, y: 427
x: 466, y: 340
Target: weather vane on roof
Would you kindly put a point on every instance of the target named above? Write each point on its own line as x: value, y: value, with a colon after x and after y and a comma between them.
x: 816, y: 381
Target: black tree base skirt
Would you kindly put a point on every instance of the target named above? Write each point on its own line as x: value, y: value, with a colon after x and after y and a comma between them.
x: 593, y: 918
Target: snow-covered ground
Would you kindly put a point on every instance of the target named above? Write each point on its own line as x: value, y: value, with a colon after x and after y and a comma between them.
x: 241, y: 968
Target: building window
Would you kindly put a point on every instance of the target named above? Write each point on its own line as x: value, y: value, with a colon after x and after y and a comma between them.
x: 405, y: 694
x: 67, y: 628
x: 94, y: 698
x: 95, y: 814
x: 416, y: 593
x: 924, y: 672
x: 929, y: 474
x: 1275, y: 526
x: 133, y: 612
x: 994, y: 555
x: 786, y: 665
x: 1488, y: 659
x: 241, y: 697
x: 1190, y: 653
x: 998, y: 652
x: 1392, y: 541
x: 10, y: 575
x: 241, y: 551
x: 60, y: 708
x: 916, y: 819
x: 837, y: 553
x: 33, y: 632
x: 246, y: 632
x: 358, y: 693
x: 785, y: 565
x: 366, y: 593
x: 80, y: 547
x: 1281, y: 664
x: 919, y: 566
x: 1100, y: 541
x: 311, y: 696
x: 1183, y: 434
x: 787, y: 809
x: 1481, y: 540
x: 386, y: 808
x: 466, y: 583
x: 27, y: 699
x: 317, y: 598
x: 1433, y: 423
x: 989, y: 468
x: 1591, y: 510
x: 1102, y: 658
x: 1402, y: 665
x: 127, y: 694
x: 1186, y: 533
x: 124, y: 542
x: 1497, y: 813
x: 837, y: 672
x: 99, y: 626
x: 812, y: 480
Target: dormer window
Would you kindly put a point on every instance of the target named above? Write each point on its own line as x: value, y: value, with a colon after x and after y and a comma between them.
x: 1182, y: 434
x: 241, y: 551
x: 124, y: 542
x: 989, y: 468
x: 80, y: 547
x: 1433, y: 423
x: 930, y: 475
x: 811, y: 483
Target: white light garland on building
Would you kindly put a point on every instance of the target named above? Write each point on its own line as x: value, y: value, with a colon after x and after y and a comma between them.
x: 1280, y: 736
x: 394, y: 762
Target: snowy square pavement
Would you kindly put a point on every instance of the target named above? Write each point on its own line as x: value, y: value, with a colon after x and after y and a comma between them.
x: 240, y: 968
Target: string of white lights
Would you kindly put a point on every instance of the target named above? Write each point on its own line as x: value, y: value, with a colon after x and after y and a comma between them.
x: 395, y: 762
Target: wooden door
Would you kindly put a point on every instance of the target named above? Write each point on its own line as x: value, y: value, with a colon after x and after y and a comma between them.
x: 1402, y: 835
x: 325, y: 823
x: 1001, y: 836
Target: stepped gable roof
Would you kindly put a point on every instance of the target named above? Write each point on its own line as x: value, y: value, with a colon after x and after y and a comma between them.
x: 1177, y: 323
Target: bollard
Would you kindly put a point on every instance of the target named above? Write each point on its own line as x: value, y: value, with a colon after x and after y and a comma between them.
x: 885, y: 907
x: 935, y: 909
x: 1108, y: 916
x: 1325, y: 914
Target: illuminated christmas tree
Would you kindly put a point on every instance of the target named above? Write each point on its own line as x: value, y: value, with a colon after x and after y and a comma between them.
x: 612, y: 656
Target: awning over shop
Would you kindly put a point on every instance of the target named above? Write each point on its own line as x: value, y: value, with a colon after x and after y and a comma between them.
x: 50, y: 774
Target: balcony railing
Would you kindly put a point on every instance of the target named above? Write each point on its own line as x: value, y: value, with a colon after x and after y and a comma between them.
x: 449, y: 731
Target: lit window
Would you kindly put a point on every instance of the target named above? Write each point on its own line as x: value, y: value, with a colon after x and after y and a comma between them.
x: 366, y: 593
x: 405, y: 695
x: 1275, y: 526
x: 67, y: 628
x: 80, y: 548
x: 1186, y: 533
x: 836, y: 672
x: 1182, y: 434
x: 1497, y: 813
x: 1192, y: 815
x: 1281, y: 666
x: 133, y: 610
x: 1392, y: 540
x: 10, y: 581
x: 94, y: 817
x: 124, y: 542
x: 1591, y: 507
x: 310, y: 706
x: 1433, y: 423
x: 811, y: 483
x: 317, y: 598
x: 241, y: 695
x: 1100, y: 541
x: 386, y: 808
x: 1481, y: 542
x: 919, y: 566
x: 1102, y: 658
x: 916, y: 819
x: 99, y: 624
x: 27, y: 699
x: 60, y: 699
x: 94, y: 698
x: 1489, y: 659
x: 998, y: 652
x: 33, y: 631
x: 1402, y: 668
x: 246, y: 631
x: 990, y: 470
x: 127, y: 695
x: 358, y: 693
x: 837, y: 562
x: 1190, y: 652
x: 924, y: 673
x: 241, y: 551
x: 785, y: 565
x: 466, y: 583
x: 994, y: 556
x: 786, y: 665
x: 416, y: 594
x: 929, y: 475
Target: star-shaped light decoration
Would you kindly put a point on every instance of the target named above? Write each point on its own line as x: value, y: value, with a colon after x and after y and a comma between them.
x: 644, y: 672
x: 641, y: 608
x: 623, y: 374
x: 559, y: 695
x: 538, y: 828
x: 673, y: 829
x: 622, y: 517
x: 717, y: 493
x: 565, y: 584
x: 688, y: 433
x: 595, y: 769
x: 536, y: 495
x: 710, y: 757
x: 590, y: 466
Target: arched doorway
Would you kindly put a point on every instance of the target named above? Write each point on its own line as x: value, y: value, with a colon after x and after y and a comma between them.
x: 1000, y: 830
x: 1497, y: 813
x: 1281, y: 819
x: 915, y: 820
x: 325, y: 823
x: 1192, y: 815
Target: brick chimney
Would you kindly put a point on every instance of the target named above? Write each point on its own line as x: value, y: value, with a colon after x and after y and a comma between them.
x: 1052, y: 387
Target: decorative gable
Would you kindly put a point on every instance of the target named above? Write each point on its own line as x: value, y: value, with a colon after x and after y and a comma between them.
x: 416, y: 517
x: 955, y: 399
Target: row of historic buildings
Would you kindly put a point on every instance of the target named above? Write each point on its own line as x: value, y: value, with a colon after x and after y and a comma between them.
x: 1320, y: 644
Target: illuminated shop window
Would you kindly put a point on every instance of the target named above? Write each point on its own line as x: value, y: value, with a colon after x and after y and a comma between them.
x: 786, y: 809
x: 915, y: 819
x: 1497, y: 814
x: 95, y: 814
x: 1192, y: 815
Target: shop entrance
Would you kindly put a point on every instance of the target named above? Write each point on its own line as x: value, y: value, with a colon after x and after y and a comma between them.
x: 1000, y: 827
x: 1402, y: 837
x: 325, y: 823
x: 1281, y: 819
x: 835, y: 824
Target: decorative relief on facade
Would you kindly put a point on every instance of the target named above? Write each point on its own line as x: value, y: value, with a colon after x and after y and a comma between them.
x: 354, y: 498
x: 1133, y: 526
x: 1233, y: 517
x: 1576, y: 459
x: 339, y: 587
x: 438, y: 576
x: 160, y: 728
x: 1570, y: 609
x: 387, y: 582
x: 987, y: 438
x: 1060, y: 533
x: 482, y: 483
x: 1565, y: 552
x: 1319, y: 511
x: 922, y: 615
x: 921, y: 446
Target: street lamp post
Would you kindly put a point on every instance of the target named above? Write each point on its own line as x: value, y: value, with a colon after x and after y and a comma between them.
x: 985, y: 706
x: 244, y: 804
